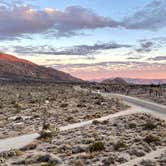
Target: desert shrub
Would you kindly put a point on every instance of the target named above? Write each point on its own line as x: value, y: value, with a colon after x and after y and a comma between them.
x: 10, y: 153
x: 95, y: 122
x: 13, y: 102
x: 1, y: 105
x: 120, y: 145
x: 81, y: 105
x: 46, y: 126
x: 83, y: 100
x: 98, y: 102
x: 17, y: 106
x: 151, y: 138
x: 149, y: 125
x: 105, y: 122
x: 132, y: 125
x: 45, y: 134
x: 63, y: 105
x: 69, y: 119
x: 96, y: 146
x: 33, y: 101
x: 97, y: 115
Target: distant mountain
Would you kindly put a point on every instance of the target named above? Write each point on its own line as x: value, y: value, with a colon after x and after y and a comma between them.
x: 145, y: 81
x: 15, y: 69
x: 133, y: 80
x: 118, y: 81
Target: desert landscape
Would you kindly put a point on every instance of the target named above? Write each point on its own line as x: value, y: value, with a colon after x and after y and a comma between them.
x: 47, y: 108
x: 23, y: 107
x: 82, y: 83
x: 151, y: 92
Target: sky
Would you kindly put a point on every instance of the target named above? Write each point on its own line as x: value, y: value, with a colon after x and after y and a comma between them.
x: 88, y: 39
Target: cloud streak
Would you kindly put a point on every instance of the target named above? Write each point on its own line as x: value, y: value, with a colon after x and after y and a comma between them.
x: 75, y: 50
x: 158, y: 58
x: 148, y: 45
x: 151, y: 17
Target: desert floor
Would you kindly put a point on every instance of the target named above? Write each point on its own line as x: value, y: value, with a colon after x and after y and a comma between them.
x: 24, y: 109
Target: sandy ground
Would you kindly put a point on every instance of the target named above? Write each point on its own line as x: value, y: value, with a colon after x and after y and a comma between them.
x: 111, y: 142
x: 23, y: 109
x: 125, y: 139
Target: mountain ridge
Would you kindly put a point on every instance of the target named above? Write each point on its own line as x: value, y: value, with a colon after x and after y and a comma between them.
x: 16, y: 69
x: 117, y: 80
x: 135, y: 80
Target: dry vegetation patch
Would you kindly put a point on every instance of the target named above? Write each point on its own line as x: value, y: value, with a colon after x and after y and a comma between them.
x: 24, y: 107
x: 106, y: 143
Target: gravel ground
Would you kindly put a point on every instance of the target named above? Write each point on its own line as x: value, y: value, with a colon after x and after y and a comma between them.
x: 111, y: 142
x: 23, y: 109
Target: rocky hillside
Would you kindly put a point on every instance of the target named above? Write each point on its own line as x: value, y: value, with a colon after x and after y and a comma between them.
x: 118, y: 81
x: 15, y: 69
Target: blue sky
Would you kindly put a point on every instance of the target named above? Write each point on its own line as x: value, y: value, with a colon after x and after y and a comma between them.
x: 102, y: 39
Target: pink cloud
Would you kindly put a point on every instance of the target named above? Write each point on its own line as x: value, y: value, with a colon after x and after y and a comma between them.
x: 128, y: 69
x: 20, y: 20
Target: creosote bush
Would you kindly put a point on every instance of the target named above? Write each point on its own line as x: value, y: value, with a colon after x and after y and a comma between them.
x: 149, y: 125
x: 46, y: 126
x: 96, y: 146
x: 44, y: 134
x: 151, y: 138
x: 95, y: 122
x: 63, y: 105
